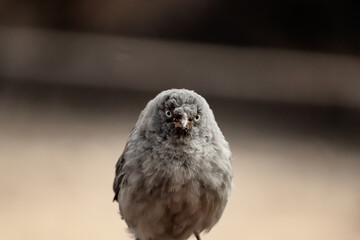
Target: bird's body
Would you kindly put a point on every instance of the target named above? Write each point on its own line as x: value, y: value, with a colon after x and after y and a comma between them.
x: 174, y: 176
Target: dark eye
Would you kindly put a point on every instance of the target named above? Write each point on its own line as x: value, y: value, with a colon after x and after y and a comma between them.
x: 168, y: 113
x: 197, y: 118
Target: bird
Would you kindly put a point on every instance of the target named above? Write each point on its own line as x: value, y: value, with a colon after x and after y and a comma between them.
x: 174, y: 176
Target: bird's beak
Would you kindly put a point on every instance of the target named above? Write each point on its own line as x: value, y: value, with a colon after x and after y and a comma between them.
x: 183, y: 122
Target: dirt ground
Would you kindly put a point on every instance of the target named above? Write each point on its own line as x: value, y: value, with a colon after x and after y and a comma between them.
x: 296, y: 169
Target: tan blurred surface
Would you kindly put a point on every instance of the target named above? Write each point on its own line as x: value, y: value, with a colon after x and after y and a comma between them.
x: 295, y: 177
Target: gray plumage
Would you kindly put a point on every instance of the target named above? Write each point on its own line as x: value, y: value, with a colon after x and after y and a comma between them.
x: 174, y: 176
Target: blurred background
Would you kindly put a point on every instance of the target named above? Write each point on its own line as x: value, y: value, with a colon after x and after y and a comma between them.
x: 283, y: 79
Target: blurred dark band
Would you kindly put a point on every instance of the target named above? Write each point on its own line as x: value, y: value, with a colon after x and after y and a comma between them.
x: 153, y: 65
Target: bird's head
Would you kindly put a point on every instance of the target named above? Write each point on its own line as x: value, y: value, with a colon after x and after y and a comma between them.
x: 182, y: 113
x: 179, y: 114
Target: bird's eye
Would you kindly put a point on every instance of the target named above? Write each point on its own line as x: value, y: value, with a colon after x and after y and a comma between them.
x: 168, y: 113
x: 197, y: 118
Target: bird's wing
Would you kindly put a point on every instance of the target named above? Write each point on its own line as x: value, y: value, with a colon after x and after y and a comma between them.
x: 120, y: 172
x: 119, y: 175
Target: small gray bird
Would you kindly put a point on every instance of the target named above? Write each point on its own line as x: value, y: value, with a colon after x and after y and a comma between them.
x: 174, y: 177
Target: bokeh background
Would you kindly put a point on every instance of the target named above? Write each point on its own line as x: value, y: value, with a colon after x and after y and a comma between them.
x: 283, y: 79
